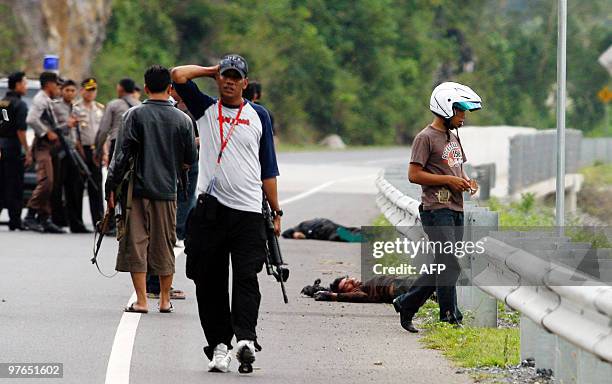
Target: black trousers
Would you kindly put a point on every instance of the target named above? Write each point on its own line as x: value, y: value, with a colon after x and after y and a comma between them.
x: 67, y: 195
x: 94, y: 190
x: 11, y: 180
x: 441, y: 225
x: 210, y: 242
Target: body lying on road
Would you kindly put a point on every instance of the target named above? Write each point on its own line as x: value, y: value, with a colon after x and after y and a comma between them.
x: 379, y: 289
x: 323, y: 229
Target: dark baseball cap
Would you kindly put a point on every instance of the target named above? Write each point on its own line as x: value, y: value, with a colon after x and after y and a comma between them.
x: 235, y: 62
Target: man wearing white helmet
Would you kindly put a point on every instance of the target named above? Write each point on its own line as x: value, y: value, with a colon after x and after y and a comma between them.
x: 437, y: 165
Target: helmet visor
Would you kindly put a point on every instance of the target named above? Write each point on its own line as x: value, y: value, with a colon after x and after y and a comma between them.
x: 467, y: 105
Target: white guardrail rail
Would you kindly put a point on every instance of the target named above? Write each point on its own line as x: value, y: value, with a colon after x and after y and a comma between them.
x: 566, y: 328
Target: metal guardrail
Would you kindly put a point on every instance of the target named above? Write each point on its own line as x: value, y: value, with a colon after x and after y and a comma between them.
x: 567, y: 329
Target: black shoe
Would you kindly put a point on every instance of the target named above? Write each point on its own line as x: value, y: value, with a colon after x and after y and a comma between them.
x: 405, y: 317
x: 49, y: 227
x: 80, y: 230
x: 15, y: 227
x: 406, y: 322
x: 32, y: 224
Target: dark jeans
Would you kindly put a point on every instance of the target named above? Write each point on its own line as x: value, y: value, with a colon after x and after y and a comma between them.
x: 209, y: 244
x: 67, y: 195
x: 441, y: 225
x: 11, y: 180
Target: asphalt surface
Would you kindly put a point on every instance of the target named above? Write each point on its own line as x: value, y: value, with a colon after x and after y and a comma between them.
x: 55, y: 307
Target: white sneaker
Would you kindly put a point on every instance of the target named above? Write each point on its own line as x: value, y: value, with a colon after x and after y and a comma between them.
x: 221, y: 359
x: 179, y: 244
x: 245, y: 353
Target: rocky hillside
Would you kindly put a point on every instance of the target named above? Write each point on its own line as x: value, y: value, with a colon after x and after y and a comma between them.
x: 72, y: 29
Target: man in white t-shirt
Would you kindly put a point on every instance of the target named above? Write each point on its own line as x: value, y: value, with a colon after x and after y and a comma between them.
x: 237, y: 161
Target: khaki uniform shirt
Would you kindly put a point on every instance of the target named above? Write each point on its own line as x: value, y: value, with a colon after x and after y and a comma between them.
x: 61, y: 113
x: 89, y: 120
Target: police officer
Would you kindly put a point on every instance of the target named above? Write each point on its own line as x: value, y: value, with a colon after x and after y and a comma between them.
x: 14, y: 148
x: 89, y: 113
x: 111, y: 120
x: 39, y: 206
x: 68, y: 183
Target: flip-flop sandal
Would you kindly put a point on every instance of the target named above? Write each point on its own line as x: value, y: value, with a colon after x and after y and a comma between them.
x: 134, y: 310
x: 177, y: 294
x: 170, y: 309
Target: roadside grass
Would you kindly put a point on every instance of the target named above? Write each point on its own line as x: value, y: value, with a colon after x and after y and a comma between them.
x: 594, y: 196
x: 597, y: 174
x: 381, y: 221
x: 526, y: 212
x: 387, y: 233
x: 506, y: 316
x: 469, y: 347
x: 529, y: 214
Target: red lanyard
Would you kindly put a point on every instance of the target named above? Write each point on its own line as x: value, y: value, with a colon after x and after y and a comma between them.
x: 232, y: 127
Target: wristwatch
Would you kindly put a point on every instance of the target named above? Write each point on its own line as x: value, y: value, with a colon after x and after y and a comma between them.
x: 278, y: 213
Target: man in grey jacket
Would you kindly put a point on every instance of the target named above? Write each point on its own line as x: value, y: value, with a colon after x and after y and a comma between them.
x: 111, y: 120
x: 38, y: 118
x: 160, y: 138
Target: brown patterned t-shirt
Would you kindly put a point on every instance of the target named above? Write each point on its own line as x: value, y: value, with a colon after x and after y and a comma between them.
x: 440, y: 157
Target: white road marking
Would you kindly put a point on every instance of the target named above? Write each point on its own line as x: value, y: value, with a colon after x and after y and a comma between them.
x: 120, y: 359
x: 118, y: 369
x: 318, y: 188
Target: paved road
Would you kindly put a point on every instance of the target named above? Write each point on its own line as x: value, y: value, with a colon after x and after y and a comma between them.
x: 55, y: 307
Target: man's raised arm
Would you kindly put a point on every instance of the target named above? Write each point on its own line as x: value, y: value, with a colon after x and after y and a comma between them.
x: 184, y: 73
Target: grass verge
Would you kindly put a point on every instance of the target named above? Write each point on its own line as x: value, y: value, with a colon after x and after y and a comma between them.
x: 469, y: 347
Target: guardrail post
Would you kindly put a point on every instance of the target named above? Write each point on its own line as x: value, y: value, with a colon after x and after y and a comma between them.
x: 537, y: 343
x: 477, y: 221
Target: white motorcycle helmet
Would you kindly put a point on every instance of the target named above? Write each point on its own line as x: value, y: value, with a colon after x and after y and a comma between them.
x: 448, y: 95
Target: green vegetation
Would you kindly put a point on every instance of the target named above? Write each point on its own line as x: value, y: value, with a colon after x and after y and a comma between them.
x: 527, y: 214
x: 597, y: 175
x: 364, y: 69
x: 524, y: 213
x: 469, y: 346
x: 507, y: 316
x: 9, y: 41
x: 381, y: 221
x: 594, y: 197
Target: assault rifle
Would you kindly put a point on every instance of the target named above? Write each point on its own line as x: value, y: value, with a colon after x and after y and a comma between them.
x: 73, y: 155
x: 274, y: 260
